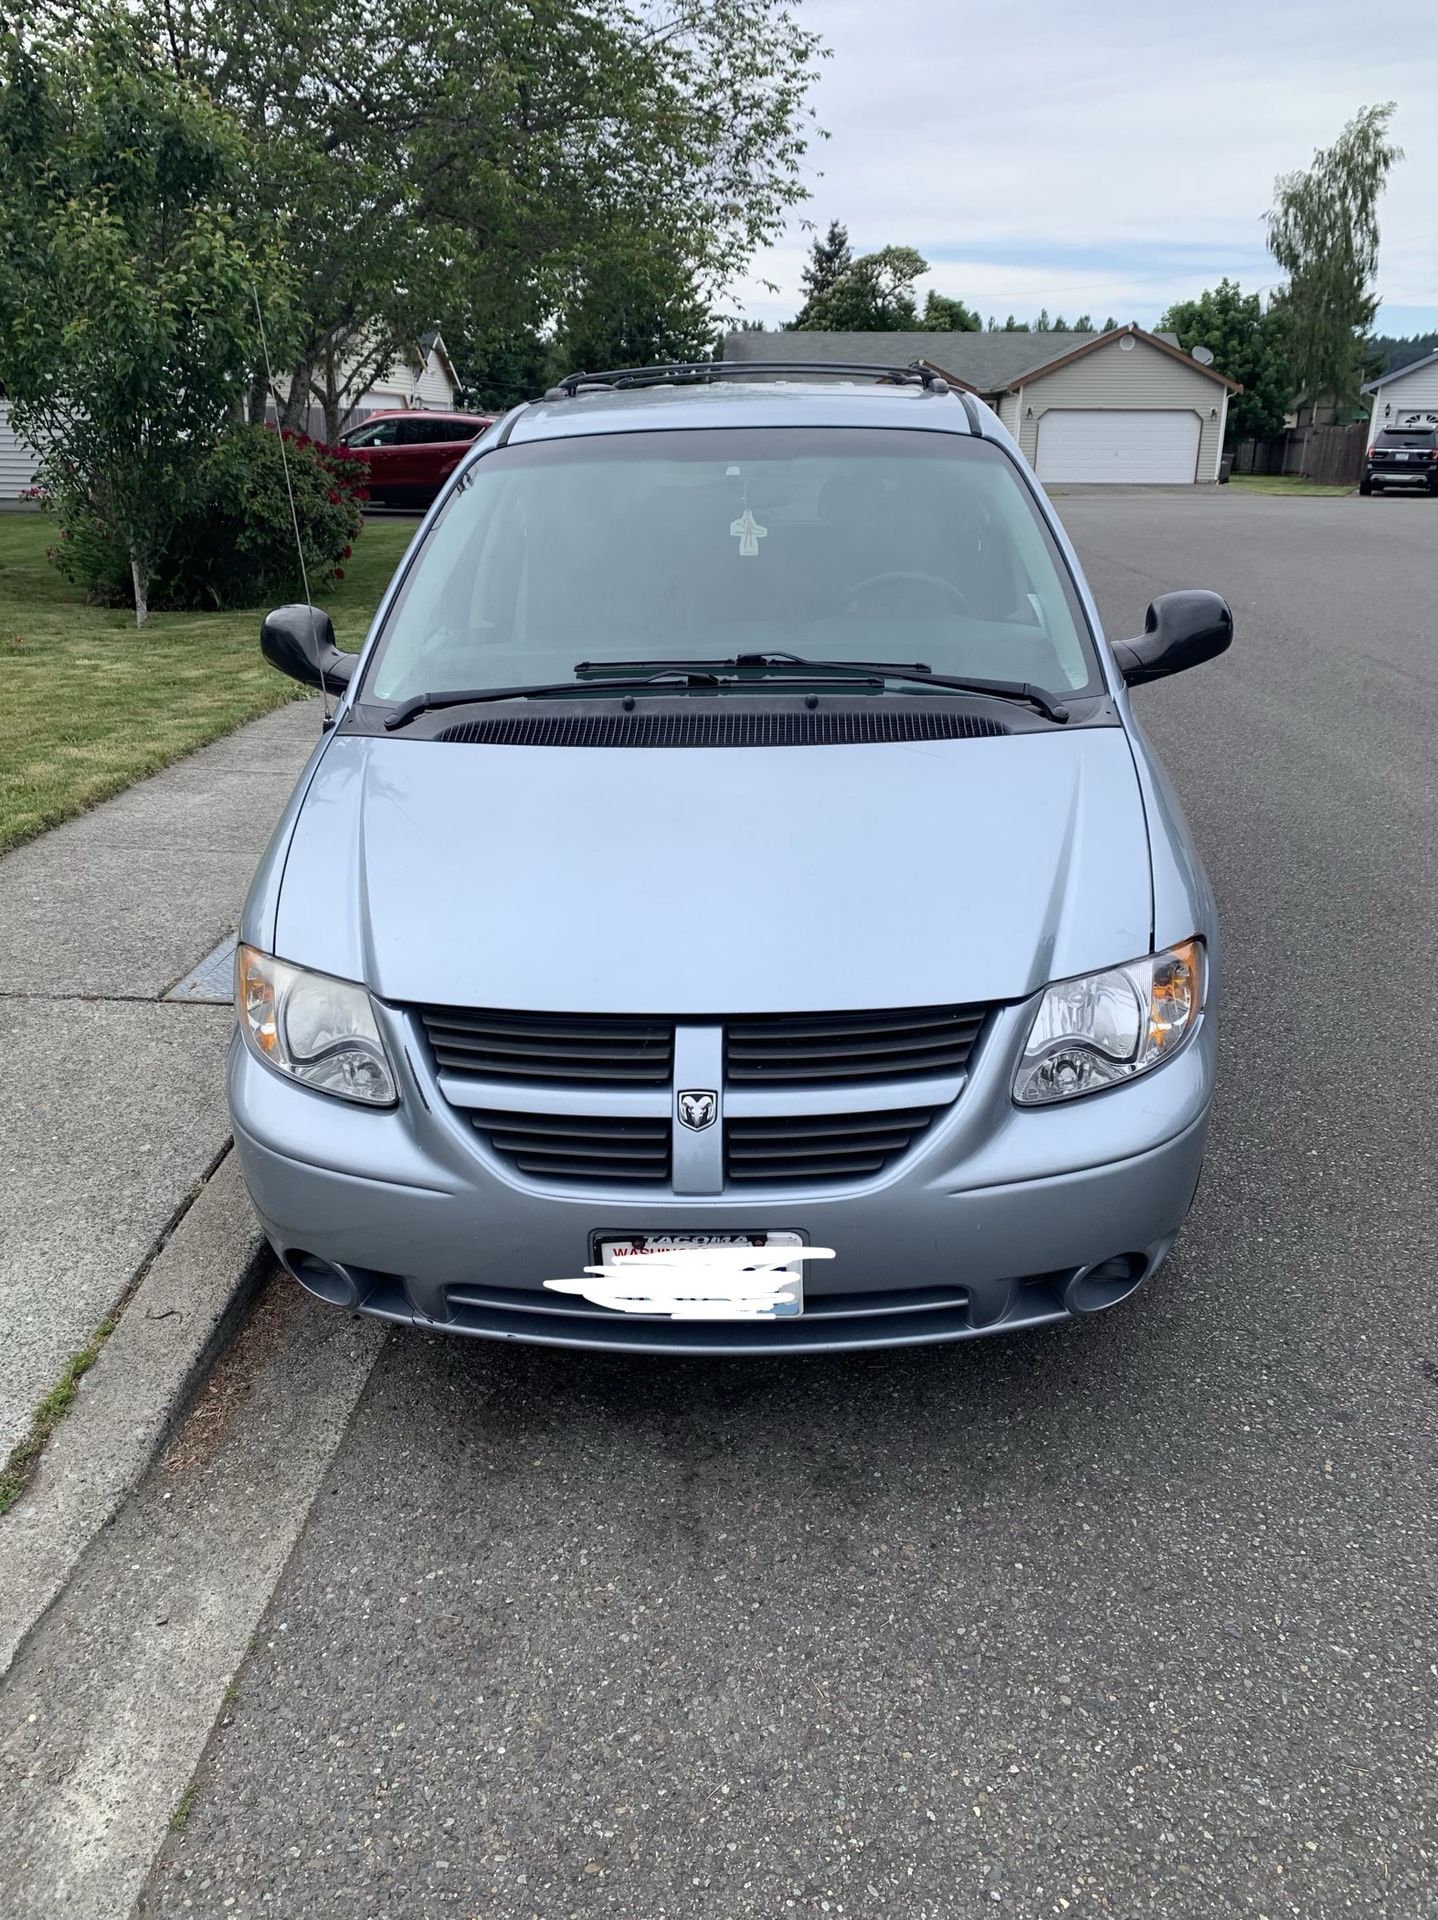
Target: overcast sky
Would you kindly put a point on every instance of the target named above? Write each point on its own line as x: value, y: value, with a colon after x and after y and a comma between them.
x: 1106, y: 159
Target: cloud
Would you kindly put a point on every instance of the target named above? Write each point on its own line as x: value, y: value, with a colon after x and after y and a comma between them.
x: 1103, y: 160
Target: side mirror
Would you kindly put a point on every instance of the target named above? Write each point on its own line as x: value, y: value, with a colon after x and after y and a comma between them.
x: 300, y: 641
x: 1181, y: 630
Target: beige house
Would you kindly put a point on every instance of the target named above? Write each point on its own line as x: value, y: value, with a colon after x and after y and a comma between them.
x: 1126, y: 407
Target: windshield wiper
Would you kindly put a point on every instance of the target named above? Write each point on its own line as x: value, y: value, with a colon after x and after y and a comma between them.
x: 1047, y: 703
x: 683, y: 676
x: 465, y: 696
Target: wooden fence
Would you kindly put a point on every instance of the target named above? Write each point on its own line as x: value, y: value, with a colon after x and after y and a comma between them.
x: 1331, y: 456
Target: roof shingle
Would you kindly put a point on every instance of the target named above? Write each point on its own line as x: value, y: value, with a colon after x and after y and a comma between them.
x: 986, y: 361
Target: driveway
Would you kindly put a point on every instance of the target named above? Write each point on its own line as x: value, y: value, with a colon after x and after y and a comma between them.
x: 1131, y: 1618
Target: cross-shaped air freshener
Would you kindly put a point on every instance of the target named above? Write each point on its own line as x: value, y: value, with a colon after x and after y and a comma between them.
x: 749, y: 533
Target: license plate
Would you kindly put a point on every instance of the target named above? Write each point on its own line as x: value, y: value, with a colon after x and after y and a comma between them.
x: 1402, y: 456
x: 704, y: 1276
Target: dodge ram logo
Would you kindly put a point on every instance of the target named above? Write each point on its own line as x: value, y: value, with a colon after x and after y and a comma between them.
x: 698, y: 1110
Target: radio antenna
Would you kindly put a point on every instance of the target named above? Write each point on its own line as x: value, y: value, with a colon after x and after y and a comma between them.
x: 294, y: 513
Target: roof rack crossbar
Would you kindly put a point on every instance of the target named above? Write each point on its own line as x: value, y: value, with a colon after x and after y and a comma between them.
x: 695, y: 372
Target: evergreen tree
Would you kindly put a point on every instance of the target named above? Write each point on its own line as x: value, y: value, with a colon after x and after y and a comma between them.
x: 830, y: 258
x: 874, y: 295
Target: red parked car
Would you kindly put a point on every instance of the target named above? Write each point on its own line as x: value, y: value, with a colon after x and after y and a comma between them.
x: 411, y: 453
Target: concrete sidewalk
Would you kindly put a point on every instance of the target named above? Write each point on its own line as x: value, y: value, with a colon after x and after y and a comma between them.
x: 111, y: 1097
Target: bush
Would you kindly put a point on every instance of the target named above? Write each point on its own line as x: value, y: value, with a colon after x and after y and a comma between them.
x: 234, y: 543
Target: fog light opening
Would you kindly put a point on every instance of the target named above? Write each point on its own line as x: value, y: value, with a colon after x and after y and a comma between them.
x: 1093, y: 1289
x: 323, y: 1278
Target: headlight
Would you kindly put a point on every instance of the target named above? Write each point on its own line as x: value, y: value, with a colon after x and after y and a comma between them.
x: 1106, y: 1027
x: 316, y: 1029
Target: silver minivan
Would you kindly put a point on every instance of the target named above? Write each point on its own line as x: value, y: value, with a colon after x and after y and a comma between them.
x: 733, y: 908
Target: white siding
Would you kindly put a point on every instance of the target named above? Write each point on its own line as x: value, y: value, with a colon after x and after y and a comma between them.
x: 17, y: 460
x: 434, y: 388
x: 1007, y: 408
x: 1140, y: 376
x: 1415, y: 392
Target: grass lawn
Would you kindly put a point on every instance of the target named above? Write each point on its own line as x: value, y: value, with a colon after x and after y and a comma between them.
x: 1283, y: 483
x: 90, y: 705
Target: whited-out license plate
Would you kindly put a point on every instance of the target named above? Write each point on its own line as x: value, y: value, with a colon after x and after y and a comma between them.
x: 705, y: 1276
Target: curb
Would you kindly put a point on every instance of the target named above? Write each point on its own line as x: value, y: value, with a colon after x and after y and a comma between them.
x: 184, y: 1312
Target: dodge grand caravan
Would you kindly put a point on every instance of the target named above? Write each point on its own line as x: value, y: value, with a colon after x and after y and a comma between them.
x: 733, y: 908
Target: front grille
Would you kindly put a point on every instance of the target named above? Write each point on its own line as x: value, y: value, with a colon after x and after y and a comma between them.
x: 726, y: 726
x: 562, y: 1146
x: 791, y: 1050
x: 607, y: 1073
x: 820, y: 1147
x: 550, y: 1047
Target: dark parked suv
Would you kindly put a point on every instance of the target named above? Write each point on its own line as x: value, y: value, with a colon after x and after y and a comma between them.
x: 411, y: 454
x: 1401, y: 457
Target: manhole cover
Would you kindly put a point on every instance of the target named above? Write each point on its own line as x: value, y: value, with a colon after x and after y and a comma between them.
x: 213, y: 979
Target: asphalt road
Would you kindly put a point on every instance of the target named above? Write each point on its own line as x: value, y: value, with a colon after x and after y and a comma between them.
x: 1133, y: 1618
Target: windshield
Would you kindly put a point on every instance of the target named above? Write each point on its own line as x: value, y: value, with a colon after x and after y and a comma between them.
x: 869, y: 544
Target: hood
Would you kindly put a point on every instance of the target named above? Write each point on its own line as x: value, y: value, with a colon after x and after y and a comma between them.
x: 730, y: 880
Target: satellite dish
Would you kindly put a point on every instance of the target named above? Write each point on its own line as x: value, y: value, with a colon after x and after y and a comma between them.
x: 1203, y: 355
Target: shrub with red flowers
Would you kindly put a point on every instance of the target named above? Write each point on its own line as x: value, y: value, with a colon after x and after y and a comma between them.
x: 234, y: 546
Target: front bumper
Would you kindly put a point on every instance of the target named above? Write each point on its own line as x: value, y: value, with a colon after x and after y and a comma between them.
x: 992, y: 1220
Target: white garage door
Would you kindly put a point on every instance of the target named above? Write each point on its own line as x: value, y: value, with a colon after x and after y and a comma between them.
x: 1154, y: 449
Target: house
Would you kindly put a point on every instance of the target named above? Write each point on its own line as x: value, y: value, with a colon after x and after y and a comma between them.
x: 1406, y: 397
x: 18, y: 461
x: 1125, y: 406
x: 419, y: 376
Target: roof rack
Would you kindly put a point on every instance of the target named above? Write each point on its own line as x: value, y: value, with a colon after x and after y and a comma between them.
x: 696, y: 372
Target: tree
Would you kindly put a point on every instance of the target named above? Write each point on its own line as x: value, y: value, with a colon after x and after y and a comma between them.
x: 1387, y: 351
x: 479, y: 166
x: 1014, y: 326
x: 498, y: 369
x: 829, y: 260
x: 1249, y: 344
x: 636, y: 314
x: 943, y: 314
x: 1109, y: 325
x: 127, y: 315
x: 1084, y: 323
x: 1323, y: 232
x: 1043, y: 324
x: 874, y: 295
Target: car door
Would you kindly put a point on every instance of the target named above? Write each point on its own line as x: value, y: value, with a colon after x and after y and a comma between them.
x: 379, y: 442
x: 450, y: 440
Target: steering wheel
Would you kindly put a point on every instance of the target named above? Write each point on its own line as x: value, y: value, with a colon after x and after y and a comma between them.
x: 850, y: 602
